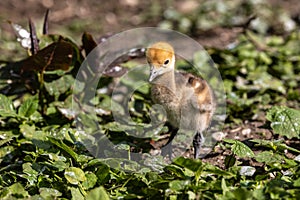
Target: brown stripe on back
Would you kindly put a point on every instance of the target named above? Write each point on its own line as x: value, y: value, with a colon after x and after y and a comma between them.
x: 204, y: 94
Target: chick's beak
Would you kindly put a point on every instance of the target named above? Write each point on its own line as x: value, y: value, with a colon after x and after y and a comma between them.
x: 154, y: 72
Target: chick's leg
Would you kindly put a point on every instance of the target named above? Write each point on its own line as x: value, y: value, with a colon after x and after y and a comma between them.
x: 197, y: 143
x: 167, y: 149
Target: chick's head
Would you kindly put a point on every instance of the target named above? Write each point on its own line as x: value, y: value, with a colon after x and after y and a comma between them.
x: 161, y: 59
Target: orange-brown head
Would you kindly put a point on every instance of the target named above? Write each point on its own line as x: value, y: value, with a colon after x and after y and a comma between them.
x: 161, y: 59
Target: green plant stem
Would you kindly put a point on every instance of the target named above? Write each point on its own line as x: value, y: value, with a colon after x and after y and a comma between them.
x: 41, y: 92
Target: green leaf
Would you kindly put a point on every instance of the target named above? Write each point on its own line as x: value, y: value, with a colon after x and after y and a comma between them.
x: 102, y: 173
x: 177, y: 171
x: 60, y: 165
x: 6, y: 107
x: 263, y: 80
x: 74, y: 175
x: 285, y: 121
x: 239, y: 148
x: 97, y: 193
x: 7, y: 136
x: 269, y: 157
x: 193, y: 165
x: 56, y: 157
x: 5, y: 151
x: 16, y: 190
x: 224, y: 186
x: 229, y: 161
x: 91, y: 180
x: 64, y: 147
x: 178, y: 185
x: 241, y: 193
x: 212, y: 169
x: 59, y: 86
x: 274, y: 144
x: 297, y: 183
x: 265, y: 58
x: 76, y: 194
x: 49, y: 193
x: 29, y: 173
x: 27, y: 130
x: 28, y: 107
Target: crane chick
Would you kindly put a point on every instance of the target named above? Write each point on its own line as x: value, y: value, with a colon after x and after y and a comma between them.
x: 187, y: 99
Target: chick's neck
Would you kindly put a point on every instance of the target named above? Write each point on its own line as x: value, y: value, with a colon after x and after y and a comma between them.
x: 166, y: 80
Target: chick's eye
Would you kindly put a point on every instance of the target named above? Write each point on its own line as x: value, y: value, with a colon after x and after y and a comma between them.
x: 166, y: 62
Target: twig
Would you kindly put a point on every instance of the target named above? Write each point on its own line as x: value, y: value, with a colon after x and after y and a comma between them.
x: 33, y: 38
x: 45, y: 25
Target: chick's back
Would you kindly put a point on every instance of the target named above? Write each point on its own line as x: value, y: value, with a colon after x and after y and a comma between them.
x: 190, y: 106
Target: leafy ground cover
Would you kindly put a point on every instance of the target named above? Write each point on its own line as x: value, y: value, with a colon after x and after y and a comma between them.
x: 42, y: 156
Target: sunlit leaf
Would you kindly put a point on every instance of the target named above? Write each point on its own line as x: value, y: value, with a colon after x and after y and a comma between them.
x: 6, y: 107
x: 74, y: 175
x: 210, y: 168
x: 97, y: 193
x: 17, y: 189
x: 59, y: 86
x: 27, y: 130
x: 177, y: 185
x: 278, y: 145
x: 56, y: 157
x: 7, y: 136
x: 91, y: 180
x: 28, y: 107
x: 29, y: 173
x: 64, y: 147
x: 76, y: 194
x: 263, y: 80
x: 5, y: 151
x: 285, y: 121
x: 239, y: 148
x: 47, y: 193
x: 193, y: 165
x: 297, y: 183
x: 177, y: 171
x: 269, y: 157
